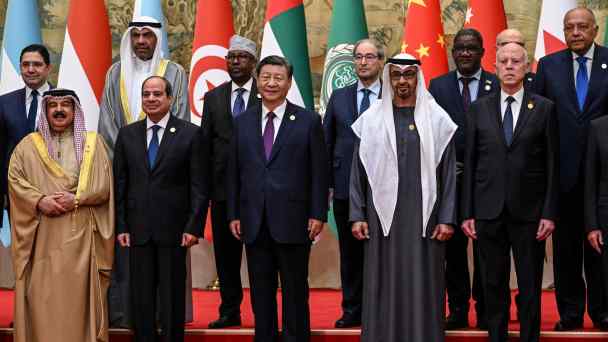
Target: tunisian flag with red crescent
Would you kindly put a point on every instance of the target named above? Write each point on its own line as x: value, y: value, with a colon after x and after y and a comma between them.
x: 487, y: 17
x: 423, y: 37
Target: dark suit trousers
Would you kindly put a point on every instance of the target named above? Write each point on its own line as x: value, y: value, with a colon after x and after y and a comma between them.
x: 351, y: 261
x: 495, y: 240
x: 266, y: 260
x: 570, y: 249
x: 164, y: 269
x: 228, y: 252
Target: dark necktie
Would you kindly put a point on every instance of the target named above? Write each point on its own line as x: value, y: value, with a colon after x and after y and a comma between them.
x: 268, y: 134
x: 582, y: 81
x: 239, y: 102
x: 31, y: 114
x: 507, y: 121
x: 365, y: 101
x: 153, y: 147
x: 466, y: 93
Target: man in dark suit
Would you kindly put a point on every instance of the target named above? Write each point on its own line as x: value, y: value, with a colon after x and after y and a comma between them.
x: 576, y: 80
x: 454, y: 92
x: 596, y: 194
x: 511, y: 35
x: 19, y: 109
x: 222, y: 105
x: 510, y: 191
x: 343, y: 108
x: 277, y: 200
x: 160, y: 166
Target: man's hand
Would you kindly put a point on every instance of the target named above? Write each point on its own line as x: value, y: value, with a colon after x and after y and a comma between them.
x: 189, y: 240
x: 124, y: 239
x: 468, y: 227
x: 596, y: 240
x: 66, y: 200
x: 50, y: 206
x: 545, y: 228
x: 442, y: 232
x: 235, y: 228
x: 314, y: 228
x: 360, y: 230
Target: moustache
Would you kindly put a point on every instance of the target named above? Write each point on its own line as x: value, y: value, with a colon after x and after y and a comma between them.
x: 59, y: 114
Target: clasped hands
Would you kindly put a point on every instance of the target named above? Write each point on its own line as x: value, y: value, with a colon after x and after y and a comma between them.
x: 188, y: 240
x: 545, y: 229
x: 57, y: 204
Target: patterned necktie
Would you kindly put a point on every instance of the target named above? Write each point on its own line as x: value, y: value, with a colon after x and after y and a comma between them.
x: 239, y: 103
x: 507, y: 121
x: 268, y: 134
x: 153, y: 147
x: 31, y: 114
x: 466, y: 93
x: 582, y: 81
x: 365, y: 101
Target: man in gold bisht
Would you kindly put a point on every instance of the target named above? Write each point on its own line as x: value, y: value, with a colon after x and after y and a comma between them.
x: 62, y: 214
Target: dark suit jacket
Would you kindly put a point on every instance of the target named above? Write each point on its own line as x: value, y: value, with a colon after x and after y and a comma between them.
x: 521, y: 178
x: 446, y: 91
x: 555, y: 81
x: 340, y: 114
x: 164, y: 202
x: 288, y: 189
x: 217, y: 127
x: 596, y: 176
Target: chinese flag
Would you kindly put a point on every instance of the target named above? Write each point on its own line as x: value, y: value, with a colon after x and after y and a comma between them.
x: 423, y: 37
x: 487, y: 17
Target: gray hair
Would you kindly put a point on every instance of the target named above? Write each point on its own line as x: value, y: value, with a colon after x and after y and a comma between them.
x: 379, y: 47
x: 515, y: 44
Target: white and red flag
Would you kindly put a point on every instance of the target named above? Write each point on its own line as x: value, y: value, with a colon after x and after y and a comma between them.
x: 86, y: 58
x: 212, y: 33
x: 550, y: 36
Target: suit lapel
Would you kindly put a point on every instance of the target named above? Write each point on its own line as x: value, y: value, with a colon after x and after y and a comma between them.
x: 226, y: 97
x: 524, y: 115
x: 141, y: 131
x: 497, y: 119
x: 569, y: 73
x: 257, y: 131
x: 172, y: 129
x: 484, y: 82
x: 253, y: 96
x: 284, y: 129
x: 19, y: 104
x: 597, y: 76
x: 352, y: 94
x: 456, y: 92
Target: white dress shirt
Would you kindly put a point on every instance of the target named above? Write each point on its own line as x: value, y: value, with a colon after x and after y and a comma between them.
x: 162, y: 123
x: 373, y: 95
x: 473, y: 84
x: 276, y: 121
x: 247, y: 86
x: 29, y: 98
x: 515, y: 106
x: 589, y: 56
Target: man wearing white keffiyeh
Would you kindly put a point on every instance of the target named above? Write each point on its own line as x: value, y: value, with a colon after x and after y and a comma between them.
x: 402, y: 202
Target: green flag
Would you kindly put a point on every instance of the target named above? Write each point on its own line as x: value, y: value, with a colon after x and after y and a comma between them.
x: 348, y: 25
x: 606, y: 34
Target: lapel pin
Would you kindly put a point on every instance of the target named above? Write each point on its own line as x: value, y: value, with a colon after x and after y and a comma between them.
x: 529, y: 79
x: 259, y: 96
x: 292, y: 117
x: 530, y: 105
x: 488, y: 87
x: 172, y: 129
x: 412, y: 127
x: 604, y: 66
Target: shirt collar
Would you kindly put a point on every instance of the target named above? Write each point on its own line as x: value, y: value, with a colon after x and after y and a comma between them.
x: 41, y: 90
x: 589, y: 53
x: 279, y: 111
x: 374, y: 88
x: 162, y: 122
x: 518, y: 96
x: 247, y: 86
x: 476, y: 75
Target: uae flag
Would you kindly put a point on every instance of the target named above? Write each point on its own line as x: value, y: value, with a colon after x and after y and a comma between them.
x: 212, y: 33
x: 487, y: 17
x: 423, y: 37
x: 550, y: 37
x: 285, y: 35
x: 85, y: 61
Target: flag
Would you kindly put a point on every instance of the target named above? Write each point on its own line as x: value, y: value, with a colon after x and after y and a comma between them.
x: 606, y: 33
x: 423, y: 37
x: 550, y: 37
x: 212, y: 32
x: 154, y: 9
x: 21, y: 28
x: 85, y: 61
x: 285, y: 35
x: 487, y: 17
x: 348, y: 26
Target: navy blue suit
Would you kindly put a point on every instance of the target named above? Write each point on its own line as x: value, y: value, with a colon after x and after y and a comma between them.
x: 446, y: 91
x: 555, y: 81
x: 274, y: 199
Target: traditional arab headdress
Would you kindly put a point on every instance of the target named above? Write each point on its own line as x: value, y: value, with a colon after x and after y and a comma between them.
x: 378, y: 146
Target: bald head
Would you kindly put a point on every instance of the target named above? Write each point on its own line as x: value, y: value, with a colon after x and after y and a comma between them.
x: 510, y: 36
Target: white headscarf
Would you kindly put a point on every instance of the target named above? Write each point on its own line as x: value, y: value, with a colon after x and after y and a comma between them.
x: 132, y: 69
x: 378, y: 145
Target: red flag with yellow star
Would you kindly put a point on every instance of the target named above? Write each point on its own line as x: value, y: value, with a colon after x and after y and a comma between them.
x: 487, y: 17
x: 423, y: 37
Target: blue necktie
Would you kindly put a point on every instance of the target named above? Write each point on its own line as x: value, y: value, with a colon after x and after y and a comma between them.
x: 365, y: 101
x: 239, y: 103
x: 31, y: 114
x: 507, y: 121
x: 153, y: 147
x: 582, y: 81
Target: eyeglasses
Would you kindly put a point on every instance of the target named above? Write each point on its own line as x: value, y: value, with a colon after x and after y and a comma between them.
x: 408, y: 75
x: 369, y: 57
x: 237, y: 56
x: 462, y: 49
